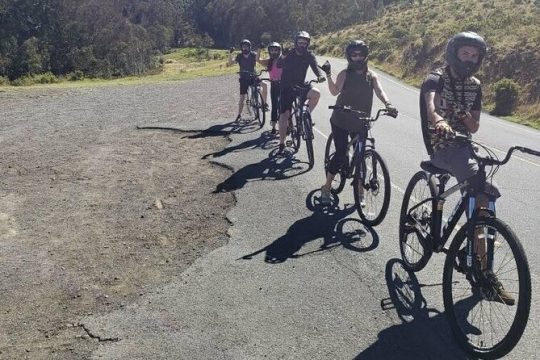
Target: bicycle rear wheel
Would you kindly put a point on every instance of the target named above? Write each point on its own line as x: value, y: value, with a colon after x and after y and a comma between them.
x: 308, y: 137
x: 372, y: 193
x: 485, y: 322
x: 341, y: 176
x: 416, y: 221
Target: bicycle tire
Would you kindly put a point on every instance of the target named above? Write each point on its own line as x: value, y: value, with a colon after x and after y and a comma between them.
x: 296, y: 135
x: 255, y: 104
x: 415, y: 249
x: 262, y: 116
x: 376, y: 174
x: 330, y: 151
x: 497, y: 232
x: 308, y: 138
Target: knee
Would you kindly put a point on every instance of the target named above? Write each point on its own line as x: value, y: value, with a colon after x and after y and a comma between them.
x: 314, y: 94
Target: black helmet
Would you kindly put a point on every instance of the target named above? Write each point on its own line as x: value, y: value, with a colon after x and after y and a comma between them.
x: 465, y: 69
x: 245, y: 41
x: 356, y: 45
x: 274, y: 45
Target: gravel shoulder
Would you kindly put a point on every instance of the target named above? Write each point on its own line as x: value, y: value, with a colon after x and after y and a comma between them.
x: 97, y: 213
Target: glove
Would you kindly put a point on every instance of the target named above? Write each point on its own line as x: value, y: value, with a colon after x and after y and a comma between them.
x: 231, y: 50
x: 443, y: 129
x: 392, y: 111
x: 321, y: 79
x: 326, y: 68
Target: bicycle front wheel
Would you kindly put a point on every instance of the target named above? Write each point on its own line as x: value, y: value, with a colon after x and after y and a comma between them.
x: 255, y: 103
x: 308, y: 136
x: 296, y: 127
x: 487, y: 318
x: 416, y: 221
x: 372, y: 193
x: 329, y: 153
x: 262, y: 113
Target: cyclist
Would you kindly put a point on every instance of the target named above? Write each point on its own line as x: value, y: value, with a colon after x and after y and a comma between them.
x: 247, y: 61
x: 450, y: 102
x: 274, y: 72
x: 355, y: 87
x: 295, y: 63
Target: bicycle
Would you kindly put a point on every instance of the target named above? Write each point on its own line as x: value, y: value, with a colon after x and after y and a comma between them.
x: 483, y: 251
x: 371, y: 179
x: 254, y: 98
x: 302, y: 127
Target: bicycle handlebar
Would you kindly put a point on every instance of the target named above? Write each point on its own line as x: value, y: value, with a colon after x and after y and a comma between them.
x: 254, y: 74
x: 361, y: 115
x: 488, y: 160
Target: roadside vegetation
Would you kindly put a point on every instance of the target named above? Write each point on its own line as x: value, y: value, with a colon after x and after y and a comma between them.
x: 408, y: 39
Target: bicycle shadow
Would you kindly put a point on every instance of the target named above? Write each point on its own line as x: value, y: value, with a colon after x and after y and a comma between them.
x: 265, y: 141
x: 271, y: 168
x: 424, y: 332
x: 326, y: 222
x: 233, y: 127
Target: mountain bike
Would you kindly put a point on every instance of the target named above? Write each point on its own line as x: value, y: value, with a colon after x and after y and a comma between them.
x: 371, y: 179
x: 254, y: 98
x: 483, y: 254
x: 302, y: 126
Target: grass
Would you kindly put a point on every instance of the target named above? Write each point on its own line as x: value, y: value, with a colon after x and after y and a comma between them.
x: 178, y: 65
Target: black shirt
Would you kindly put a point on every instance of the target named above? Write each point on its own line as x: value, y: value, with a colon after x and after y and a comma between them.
x: 295, y: 67
x: 246, y: 64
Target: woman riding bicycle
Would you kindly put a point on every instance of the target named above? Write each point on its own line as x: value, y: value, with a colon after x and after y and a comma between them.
x: 274, y: 72
x: 355, y: 86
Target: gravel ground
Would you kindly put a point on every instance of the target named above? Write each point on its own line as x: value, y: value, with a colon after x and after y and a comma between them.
x: 95, y: 212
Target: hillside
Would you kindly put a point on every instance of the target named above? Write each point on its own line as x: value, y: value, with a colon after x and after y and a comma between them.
x: 408, y: 39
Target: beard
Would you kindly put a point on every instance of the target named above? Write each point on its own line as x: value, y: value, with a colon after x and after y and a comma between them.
x: 358, y: 65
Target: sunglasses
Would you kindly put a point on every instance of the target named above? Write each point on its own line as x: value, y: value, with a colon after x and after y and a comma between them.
x: 357, y: 55
x: 301, y: 43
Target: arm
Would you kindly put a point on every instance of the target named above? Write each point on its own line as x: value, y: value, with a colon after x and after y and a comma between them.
x: 336, y: 87
x: 471, y: 119
x: 262, y: 62
x: 379, y: 90
x: 230, y: 61
x: 315, y: 67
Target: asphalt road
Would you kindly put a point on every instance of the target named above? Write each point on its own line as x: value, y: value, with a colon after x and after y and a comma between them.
x: 290, y: 286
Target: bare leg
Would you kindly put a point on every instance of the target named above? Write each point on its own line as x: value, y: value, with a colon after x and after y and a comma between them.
x: 241, y: 104
x: 264, y: 92
x: 313, y: 97
x: 283, y: 118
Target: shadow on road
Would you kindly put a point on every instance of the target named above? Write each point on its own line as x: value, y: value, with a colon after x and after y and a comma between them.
x: 327, y: 222
x: 265, y: 141
x: 271, y: 168
x: 424, y: 333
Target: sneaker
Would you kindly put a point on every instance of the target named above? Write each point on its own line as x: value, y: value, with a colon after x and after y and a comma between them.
x: 266, y: 108
x: 281, y: 148
x: 326, y: 196
x: 499, y: 294
x: 273, y: 124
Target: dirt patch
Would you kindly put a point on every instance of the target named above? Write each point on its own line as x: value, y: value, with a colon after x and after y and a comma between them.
x: 96, y: 213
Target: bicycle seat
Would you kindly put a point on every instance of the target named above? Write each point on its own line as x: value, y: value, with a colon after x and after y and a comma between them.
x: 426, y: 165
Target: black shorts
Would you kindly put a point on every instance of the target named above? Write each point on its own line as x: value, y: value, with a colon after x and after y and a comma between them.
x: 244, y: 84
x: 287, y: 97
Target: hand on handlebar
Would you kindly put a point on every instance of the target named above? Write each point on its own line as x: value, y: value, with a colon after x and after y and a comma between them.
x: 391, y: 109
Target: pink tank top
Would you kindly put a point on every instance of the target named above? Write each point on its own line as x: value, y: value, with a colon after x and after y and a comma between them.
x: 275, y: 73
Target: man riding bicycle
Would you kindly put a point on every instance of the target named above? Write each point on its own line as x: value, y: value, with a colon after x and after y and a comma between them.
x: 247, y: 61
x: 355, y: 86
x: 451, y: 102
x: 294, y: 65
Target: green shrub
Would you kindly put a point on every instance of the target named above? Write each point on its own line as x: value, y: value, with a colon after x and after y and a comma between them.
x: 46, y: 78
x: 4, y: 80
x: 76, y: 75
x: 506, y: 93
